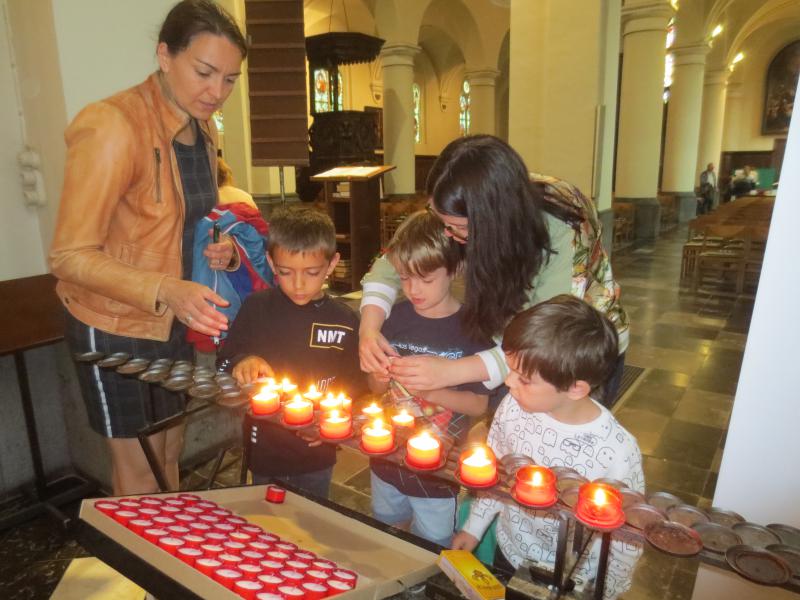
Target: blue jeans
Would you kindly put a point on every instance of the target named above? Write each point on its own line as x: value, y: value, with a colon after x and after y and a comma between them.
x: 316, y: 483
x: 431, y: 518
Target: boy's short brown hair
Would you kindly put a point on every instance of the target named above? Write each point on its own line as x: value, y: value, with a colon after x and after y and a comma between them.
x: 419, y: 246
x: 564, y: 340
x: 302, y: 230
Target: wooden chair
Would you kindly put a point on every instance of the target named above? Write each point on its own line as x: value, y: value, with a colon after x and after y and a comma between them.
x: 624, y: 223
x: 721, y: 255
x: 394, y: 212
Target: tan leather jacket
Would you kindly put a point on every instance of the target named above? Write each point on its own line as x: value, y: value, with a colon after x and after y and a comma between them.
x: 120, y: 223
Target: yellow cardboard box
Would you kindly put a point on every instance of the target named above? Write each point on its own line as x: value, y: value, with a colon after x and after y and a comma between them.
x: 470, y: 575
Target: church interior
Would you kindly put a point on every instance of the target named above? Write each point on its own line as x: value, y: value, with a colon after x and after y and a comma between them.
x: 629, y: 100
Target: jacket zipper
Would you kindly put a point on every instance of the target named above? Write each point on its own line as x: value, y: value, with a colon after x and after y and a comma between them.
x: 157, y: 152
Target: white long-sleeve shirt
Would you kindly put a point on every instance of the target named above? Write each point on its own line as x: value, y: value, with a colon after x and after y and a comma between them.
x: 601, y: 448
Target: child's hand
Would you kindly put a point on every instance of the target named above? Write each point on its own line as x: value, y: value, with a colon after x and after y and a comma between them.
x: 381, y: 378
x: 464, y: 541
x: 309, y: 436
x: 251, y: 368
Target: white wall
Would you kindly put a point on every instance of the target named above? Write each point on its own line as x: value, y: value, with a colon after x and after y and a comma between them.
x: 758, y: 476
x: 21, y: 251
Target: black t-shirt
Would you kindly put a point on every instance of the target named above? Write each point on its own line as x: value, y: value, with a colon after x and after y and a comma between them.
x: 412, y: 334
x: 315, y: 343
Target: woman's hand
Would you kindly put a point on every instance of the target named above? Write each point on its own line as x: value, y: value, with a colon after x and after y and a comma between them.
x: 464, y: 541
x: 250, y: 369
x: 219, y: 255
x: 424, y: 373
x: 191, y: 302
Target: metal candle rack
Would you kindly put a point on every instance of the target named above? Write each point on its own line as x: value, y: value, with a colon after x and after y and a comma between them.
x: 766, y: 555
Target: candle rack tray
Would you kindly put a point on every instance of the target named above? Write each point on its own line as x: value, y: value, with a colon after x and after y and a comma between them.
x: 717, y: 538
x: 133, y: 366
x: 724, y: 517
x: 154, y: 374
x: 789, y: 535
x: 688, y: 515
x: 753, y: 534
x: 758, y: 565
x: 663, y: 500
x: 114, y: 360
x: 673, y: 538
x: 642, y: 515
x: 89, y: 356
x: 788, y: 553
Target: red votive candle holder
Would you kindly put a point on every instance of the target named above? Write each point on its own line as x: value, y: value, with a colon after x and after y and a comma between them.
x: 324, y: 565
x: 313, y: 395
x: 123, y: 516
x: 268, y: 596
x: 253, y: 530
x: 275, y: 494
x: 212, y: 550
x: 234, y: 547
x: 207, y: 566
x: 107, y: 507
x: 265, y: 402
x: 291, y: 592
x: 278, y: 555
x: 330, y: 402
x: 189, y: 555
x: 477, y: 467
x: 298, y: 565
x: 252, y: 556
x: 318, y: 575
x: 154, y: 534
x: 138, y: 526
x: 227, y: 576
x: 150, y: 501
x: 346, y: 575
x: 271, y: 581
x: 270, y: 566
x: 377, y: 438
x: 193, y: 540
x: 298, y: 411
x: 291, y: 577
x: 305, y: 556
x: 403, y: 419
x: 268, y: 538
x: 230, y: 560
x: 314, y: 591
x: 599, y: 507
x: 287, y: 547
x: 535, y: 486
x: 373, y: 411
x: 249, y: 570
x: 247, y: 588
x: 423, y: 451
x: 336, y: 425
x: 170, y: 544
x: 337, y: 586
x: 259, y: 546
x: 189, y: 498
x: 178, y: 531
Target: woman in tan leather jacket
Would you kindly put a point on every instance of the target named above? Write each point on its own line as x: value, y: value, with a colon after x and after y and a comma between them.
x: 140, y: 174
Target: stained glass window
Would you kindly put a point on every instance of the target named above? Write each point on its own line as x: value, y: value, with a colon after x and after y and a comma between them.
x: 415, y: 91
x: 323, y: 91
x: 219, y: 121
x: 464, y: 116
x: 669, y: 59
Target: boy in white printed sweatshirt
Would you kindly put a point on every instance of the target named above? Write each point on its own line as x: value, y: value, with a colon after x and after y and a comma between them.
x: 559, y: 351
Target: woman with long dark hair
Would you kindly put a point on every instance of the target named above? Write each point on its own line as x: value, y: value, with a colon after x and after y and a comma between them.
x: 526, y: 238
x: 140, y: 174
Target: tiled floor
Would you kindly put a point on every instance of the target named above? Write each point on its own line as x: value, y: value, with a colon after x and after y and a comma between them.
x: 690, y: 348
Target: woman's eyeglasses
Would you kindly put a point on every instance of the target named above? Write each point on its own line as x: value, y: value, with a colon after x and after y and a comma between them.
x: 459, y: 232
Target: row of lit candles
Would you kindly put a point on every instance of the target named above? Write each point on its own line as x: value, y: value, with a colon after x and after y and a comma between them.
x: 599, y: 505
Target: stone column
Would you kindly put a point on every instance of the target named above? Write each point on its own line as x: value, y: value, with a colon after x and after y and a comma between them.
x: 683, y: 128
x: 710, y: 146
x: 733, y: 116
x: 482, y: 100
x: 398, y: 116
x: 644, y: 26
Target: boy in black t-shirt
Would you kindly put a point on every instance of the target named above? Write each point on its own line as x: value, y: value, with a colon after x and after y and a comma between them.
x: 297, y: 331
x: 428, y: 323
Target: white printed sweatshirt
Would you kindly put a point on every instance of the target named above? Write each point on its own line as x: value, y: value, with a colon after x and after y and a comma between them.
x: 601, y: 448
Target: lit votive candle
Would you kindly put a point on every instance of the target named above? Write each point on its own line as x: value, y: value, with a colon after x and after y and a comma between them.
x: 599, y: 506
x: 377, y: 437
x: 298, y: 411
x: 313, y: 395
x: 372, y: 411
x: 336, y: 425
x: 477, y: 466
x: 329, y: 403
x: 265, y: 402
x: 423, y: 451
x: 287, y: 387
x: 403, y: 419
x: 535, y: 486
x: 347, y: 402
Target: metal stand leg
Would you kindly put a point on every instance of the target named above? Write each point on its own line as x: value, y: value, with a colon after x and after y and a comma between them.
x: 602, y: 567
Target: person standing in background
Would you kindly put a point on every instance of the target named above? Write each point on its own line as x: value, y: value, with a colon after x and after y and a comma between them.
x: 708, y: 190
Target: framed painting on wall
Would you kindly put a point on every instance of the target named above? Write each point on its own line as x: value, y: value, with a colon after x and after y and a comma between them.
x: 782, y: 76
x: 377, y: 113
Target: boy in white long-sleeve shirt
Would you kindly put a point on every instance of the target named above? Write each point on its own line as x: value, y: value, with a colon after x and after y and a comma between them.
x: 559, y: 351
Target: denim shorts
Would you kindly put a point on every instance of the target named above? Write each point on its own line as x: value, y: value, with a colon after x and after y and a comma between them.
x: 431, y: 518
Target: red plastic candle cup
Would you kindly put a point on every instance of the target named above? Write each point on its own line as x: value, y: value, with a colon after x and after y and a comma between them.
x: 225, y: 528
x: 347, y: 402
x: 122, y: 516
x: 209, y: 518
x: 278, y: 555
x: 194, y: 511
x: 298, y: 565
x: 337, y: 586
x: 207, y: 566
x: 215, y: 537
x: 345, y: 575
x: 265, y: 402
x: 535, y: 486
x: 164, y: 521
x: 377, y: 438
x: 169, y: 511
x: 170, y: 543
x: 200, y: 528
x: 185, y: 519
x: 330, y: 403
x: 206, y: 505
x: 178, y: 531
x: 176, y: 502
x: 298, y: 411
x: 318, y: 575
x: 129, y: 504
x: 423, y: 451
x: 212, y: 550
x: 291, y: 592
x: 252, y: 557
x: 230, y: 560
x: 247, y: 588
x: 291, y: 577
x: 403, y: 419
x: 150, y: 502
x: 222, y: 513
x: 269, y: 596
x: 271, y: 566
x: 324, y: 565
x: 227, y: 576
x: 477, y: 466
x: 305, y: 555
x: 241, y: 536
x: 138, y: 526
x: 372, y: 411
x: 314, y: 591
x: 275, y: 494
x: 189, y: 498
x: 259, y: 546
x: 253, y: 530
x: 287, y: 388
x: 268, y: 538
x: 193, y: 540
x: 249, y: 570
x: 234, y: 547
x: 287, y: 547
x: 336, y: 425
x: 313, y: 395
x: 148, y: 513
x: 271, y: 582
x: 107, y: 507
x: 189, y: 555
x: 154, y: 534
x: 599, y: 507
x: 237, y: 522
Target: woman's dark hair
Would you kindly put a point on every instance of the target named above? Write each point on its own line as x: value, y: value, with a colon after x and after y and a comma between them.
x: 191, y: 17
x: 482, y: 178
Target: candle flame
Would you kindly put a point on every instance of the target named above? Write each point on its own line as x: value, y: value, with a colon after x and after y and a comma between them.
x: 478, y: 458
x: 287, y: 385
x: 424, y: 441
x: 537, y: 478
x: 334, y: 414
x: 298, y: 400
x: 312, y: 390
x: 600, y: 497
